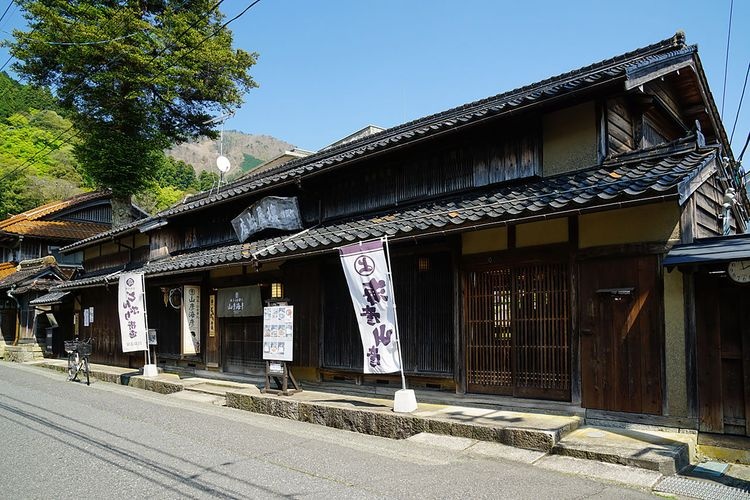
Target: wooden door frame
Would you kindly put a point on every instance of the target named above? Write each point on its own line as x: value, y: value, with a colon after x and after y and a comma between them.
x: 561, y: 253
x: 615, y: 252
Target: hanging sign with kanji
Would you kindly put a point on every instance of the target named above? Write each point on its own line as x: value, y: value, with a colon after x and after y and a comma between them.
x: 366, y: 274
x: 191, y: 320
x: 132, y: 312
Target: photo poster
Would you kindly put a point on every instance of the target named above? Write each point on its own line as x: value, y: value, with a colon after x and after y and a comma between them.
x: 278, y: 333
x: 191, y: 320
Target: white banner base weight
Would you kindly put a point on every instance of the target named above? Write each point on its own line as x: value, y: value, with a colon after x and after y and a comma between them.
x: 405, y: 401
x: 150, y: 371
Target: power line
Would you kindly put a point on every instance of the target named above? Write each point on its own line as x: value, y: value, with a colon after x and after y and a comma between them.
x: 2, y: 16
x: 739, y: 106
x: 726, y: 59
x: 203, y: 40
x: 742, y: 153
x: 6, y: 63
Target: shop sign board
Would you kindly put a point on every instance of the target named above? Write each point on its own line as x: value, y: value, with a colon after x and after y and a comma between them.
x: 191, y: 320
x: 278, y: 333
x: 270, y: 212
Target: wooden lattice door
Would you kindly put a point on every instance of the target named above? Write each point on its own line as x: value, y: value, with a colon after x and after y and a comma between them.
x: 518, y: 330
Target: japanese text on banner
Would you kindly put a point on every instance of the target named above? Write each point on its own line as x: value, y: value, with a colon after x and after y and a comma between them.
x: 132, y: 312
x: 366, y: 274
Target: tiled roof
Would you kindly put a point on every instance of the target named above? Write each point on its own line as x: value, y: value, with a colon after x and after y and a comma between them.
x: 56, y: 229
x: 29, y: 272
x: 7, y: 268
x: 52, y: 208
x: 554, y: 87
x: 631, y: 177
x: 49, y: 299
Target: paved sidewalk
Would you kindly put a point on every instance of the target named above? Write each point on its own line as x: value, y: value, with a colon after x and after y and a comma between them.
x: 663, y: 453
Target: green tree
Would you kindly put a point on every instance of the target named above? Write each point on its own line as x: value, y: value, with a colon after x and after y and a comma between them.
x: 207, y: 180
x: 28, y: 179
x: 134, y: 76
x: 176, y: 173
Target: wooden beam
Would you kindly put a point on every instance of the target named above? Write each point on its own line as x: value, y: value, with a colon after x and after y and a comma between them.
x: 691, y: 371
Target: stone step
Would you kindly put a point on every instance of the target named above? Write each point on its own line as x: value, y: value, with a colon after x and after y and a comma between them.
x: 376, y: 417
x: 663, y: 452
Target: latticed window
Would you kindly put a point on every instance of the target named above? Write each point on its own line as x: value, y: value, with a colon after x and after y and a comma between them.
x: 517, y: 327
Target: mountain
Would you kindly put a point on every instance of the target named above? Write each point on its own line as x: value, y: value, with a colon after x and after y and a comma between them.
x: 245, y: 151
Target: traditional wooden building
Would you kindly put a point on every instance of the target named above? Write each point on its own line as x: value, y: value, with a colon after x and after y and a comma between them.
x: 31, y: 262
x: 527, y: 233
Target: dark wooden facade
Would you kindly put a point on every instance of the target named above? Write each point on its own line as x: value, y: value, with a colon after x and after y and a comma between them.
x: 574, y: 318
x: 722, y: 316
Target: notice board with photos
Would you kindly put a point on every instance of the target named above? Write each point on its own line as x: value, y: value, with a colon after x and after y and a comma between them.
x: 278, y: 333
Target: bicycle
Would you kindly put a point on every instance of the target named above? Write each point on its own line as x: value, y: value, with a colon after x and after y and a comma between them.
x: 78, y: 358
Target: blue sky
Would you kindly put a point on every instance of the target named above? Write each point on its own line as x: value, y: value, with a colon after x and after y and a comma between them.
x: 329, y: 67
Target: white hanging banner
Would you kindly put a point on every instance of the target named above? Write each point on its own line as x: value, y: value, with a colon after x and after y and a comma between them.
x: 191, y: 320
x: 132, y: 312
x: 366, y: 274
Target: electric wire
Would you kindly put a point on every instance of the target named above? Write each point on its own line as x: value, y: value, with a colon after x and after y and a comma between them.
x: 2, y: 16
x: 739, y: 106
x: 202, y: 41
x: 742, y: 153
x: 726, y: 58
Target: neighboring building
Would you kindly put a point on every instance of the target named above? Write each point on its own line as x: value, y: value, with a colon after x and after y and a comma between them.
x: 362, y: 133
x: 527, y: 233
x: 43, y: 230
x: 32, y: 263
x: 279, y: 160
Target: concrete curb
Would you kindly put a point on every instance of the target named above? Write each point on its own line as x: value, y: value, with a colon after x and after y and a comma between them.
x: 666, y: 462
x: 388, y: 424
x: 132, y: 379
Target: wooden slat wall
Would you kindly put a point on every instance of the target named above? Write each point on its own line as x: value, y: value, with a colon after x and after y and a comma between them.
x: 708, y: 338
x: 342, y: 347
x: 666, y: 94
x: 708, y: 198
x: 620, y: 123
x: 425, y: 312
x: 101, y: 214
x: 302, y: 288
x: 460, y: 164
x: 166, y: 321
x: 106, y: 328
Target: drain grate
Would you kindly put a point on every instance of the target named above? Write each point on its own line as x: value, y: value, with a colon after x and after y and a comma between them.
x: 677, y: 485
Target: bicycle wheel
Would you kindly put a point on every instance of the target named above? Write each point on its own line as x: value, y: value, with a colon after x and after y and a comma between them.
x: 86, y: 369
x: 72, y: 366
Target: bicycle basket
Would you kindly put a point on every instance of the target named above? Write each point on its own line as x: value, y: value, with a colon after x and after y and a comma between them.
x: 84, y: 348
x: 71, y: 345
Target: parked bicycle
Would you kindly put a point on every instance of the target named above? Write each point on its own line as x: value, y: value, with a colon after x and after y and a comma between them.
x: 78, y: 358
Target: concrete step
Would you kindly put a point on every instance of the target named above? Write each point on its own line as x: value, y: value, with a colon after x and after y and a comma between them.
x: 23, y: 353
x: 663, y: 452
x: 376, y: 417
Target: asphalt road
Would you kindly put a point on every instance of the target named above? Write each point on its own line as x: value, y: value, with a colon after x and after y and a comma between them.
x: 65, y: 440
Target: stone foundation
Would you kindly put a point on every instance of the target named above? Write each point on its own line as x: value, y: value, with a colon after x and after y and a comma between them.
x: 22, y: 353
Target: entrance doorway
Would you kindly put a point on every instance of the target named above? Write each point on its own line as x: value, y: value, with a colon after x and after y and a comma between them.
x: 242, y: 344
x: 518, y: 330
x: 621, y: 335
x: 722, y: 313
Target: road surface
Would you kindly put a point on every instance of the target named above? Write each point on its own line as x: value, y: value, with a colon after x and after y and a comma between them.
x: 66, y: 440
